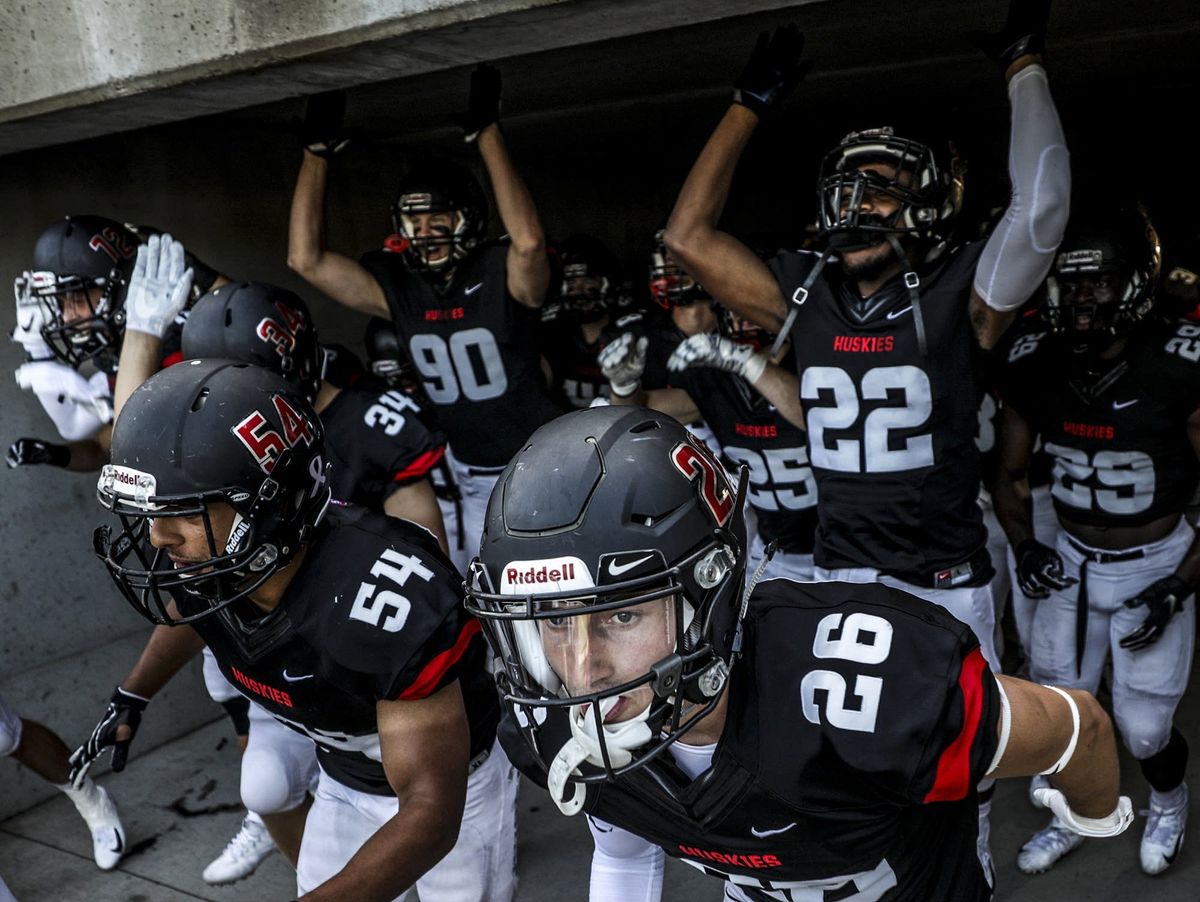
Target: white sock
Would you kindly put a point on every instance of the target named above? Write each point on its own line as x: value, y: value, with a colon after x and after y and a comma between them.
x: 1168, y: 800
x: 85, y: 797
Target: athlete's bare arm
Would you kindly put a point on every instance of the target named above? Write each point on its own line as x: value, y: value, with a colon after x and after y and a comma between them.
x: 528, y: 266
x: 1011, y: 496
x: 334, y: 274
x: 426, y: 751
x: 1042, y: 726
x: 168, y: 649
x: 726, y: 267
x: 417, y: 502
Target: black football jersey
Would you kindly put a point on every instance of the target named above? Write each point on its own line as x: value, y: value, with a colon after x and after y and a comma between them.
x: 374, y: 613
x: 578, y: 379
x: 891, y: 432
x: 476, y: 350
x: 751, y: 434
x: 860, y: 720
x: 376, y: 442
x: 1118, y: 441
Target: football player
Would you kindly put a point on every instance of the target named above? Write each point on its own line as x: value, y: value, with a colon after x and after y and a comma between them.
x: 1114, y: 394
x: 720, y: 379
x: 571, y: 334
x: 467, y: 311
x: 344, y: 624
x: 71, y: 314
x: 794, y: 739
x: 42, y: 750
x: 886, y: 321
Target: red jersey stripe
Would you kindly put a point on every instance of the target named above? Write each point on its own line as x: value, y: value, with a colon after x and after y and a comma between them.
x: 421, y: 465
x: 433, y: 672
x: 953, y: 780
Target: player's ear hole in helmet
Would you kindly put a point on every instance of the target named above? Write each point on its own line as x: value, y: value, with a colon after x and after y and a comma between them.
x: 610, y: 583
x: 79, y: 274
x: 218, y: 479
x: 440, y: 215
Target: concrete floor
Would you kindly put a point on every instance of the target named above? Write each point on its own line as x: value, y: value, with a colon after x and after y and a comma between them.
x: 179, y: 804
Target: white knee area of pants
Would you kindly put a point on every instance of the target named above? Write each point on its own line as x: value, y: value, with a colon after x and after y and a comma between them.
x: 10, y: 729
x: 1058, y: 766
x: 1145, y: 727
x: 268, y: 784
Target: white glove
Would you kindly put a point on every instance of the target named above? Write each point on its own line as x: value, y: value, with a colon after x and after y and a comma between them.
x: 721, y: 353
x: 1112, y: 825
x: 159, y: 288
x: 31, y: 317
x: 623, y: 361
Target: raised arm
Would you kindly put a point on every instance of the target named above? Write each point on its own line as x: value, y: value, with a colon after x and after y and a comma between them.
x: 528, y: 266
x: 1020, y: 251
x: 425, y: 746
x: 729, y: 270
x: 333, y: 274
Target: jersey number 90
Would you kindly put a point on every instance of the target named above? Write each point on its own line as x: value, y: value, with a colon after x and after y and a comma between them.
x: 468, y: 366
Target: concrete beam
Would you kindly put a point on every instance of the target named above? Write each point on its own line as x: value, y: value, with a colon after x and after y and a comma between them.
x: 70, y: 71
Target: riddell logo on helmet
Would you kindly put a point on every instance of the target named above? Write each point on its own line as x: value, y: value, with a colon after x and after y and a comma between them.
x: 128, y: 482
x: 551, y: 575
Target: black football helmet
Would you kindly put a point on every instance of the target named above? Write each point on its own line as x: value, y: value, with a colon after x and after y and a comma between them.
x: 257, y: 323
x: 602, y: 512
x: 1116, y: 251
x: 439, y: 187
x: 89, y: 260
x: 591, y: 278
x: 930, y: 194
x: 199, y: 434
x: 738, y: 328
x: 670, y: 285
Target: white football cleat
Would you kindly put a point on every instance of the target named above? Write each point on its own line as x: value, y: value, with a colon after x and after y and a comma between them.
x: 99, y: 812
x: 1046, y: 847
x: 1163, y: 836
x: 249, y: 846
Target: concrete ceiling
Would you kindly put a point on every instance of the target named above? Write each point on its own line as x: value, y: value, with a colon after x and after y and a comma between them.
x: 1107, y: 57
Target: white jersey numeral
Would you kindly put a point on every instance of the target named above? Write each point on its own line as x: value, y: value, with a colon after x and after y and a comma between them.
x: 468, y: 366
x: 1117, y: 482
x: 877, y: 451
x: 780, y: 467
x: 862, y: 639
x: 371, y: 604
x: 388, y: 411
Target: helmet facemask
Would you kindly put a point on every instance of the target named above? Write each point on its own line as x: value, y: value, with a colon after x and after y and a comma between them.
x: 587, y: 297
x: 76, y: 327
x: 636, y: 662
x: 670, y: 285
x: 459, y: 235
x: 876, y: 164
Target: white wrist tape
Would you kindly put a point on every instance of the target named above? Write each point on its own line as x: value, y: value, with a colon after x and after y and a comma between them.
x: 1057, y: 766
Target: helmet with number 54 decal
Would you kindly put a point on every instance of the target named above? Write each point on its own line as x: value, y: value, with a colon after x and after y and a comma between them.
x: 610, y: 583
x: 230, y: 446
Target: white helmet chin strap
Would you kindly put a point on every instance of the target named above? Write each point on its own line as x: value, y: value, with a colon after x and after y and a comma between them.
x: 584, y: 745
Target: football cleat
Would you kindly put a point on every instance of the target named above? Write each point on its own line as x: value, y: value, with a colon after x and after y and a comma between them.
x: 1046, y: 847
x: 249, y: 846
x: 1163, y: 836
x: 99, y: 812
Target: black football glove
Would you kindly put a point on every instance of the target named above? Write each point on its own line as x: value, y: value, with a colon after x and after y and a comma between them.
x: 1024, y: 32
x: 483, y: 105
x: 1040, y: 569
x: 124, y: 708
x: 1163, y: 599
x: 773, y: 71
x: 322, y: 132
x: 29, y: 452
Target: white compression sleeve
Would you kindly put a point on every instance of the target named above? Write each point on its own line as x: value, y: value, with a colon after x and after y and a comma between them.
x: 1019, y: 252
x: 625, y: 868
